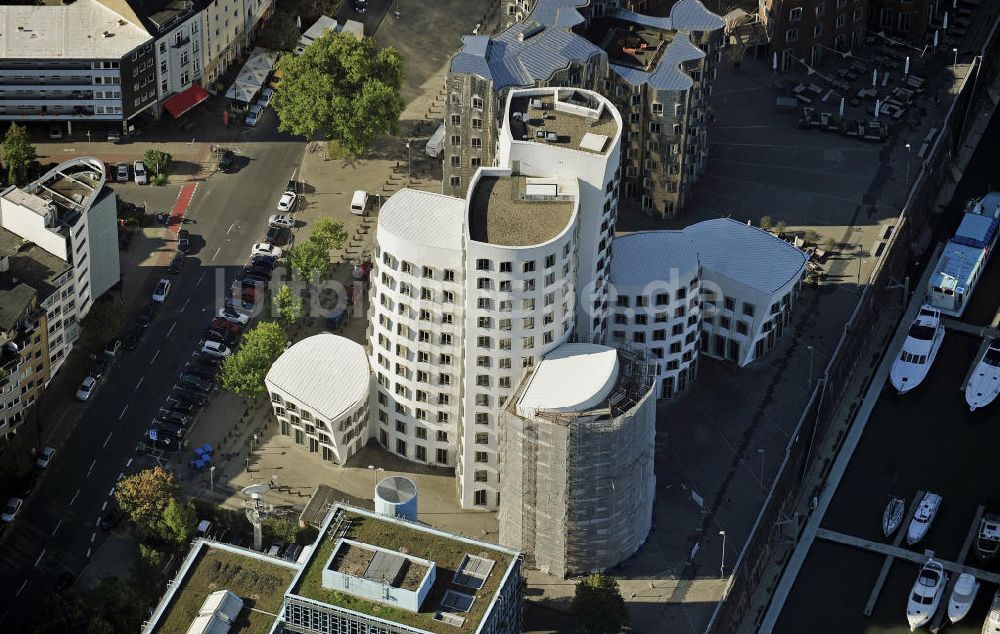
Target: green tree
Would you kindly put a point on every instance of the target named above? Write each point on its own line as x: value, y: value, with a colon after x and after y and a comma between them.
x: 287, y: 304
x: 342, y: 89
x: 113, y: 606
x: 243, y: 372
x: 18, y: 154
x: 179, y: 522
x: 279, y: 33
x: 157, y: 161
x: 144, y: 496
x: 309, y: 260
x: 328, y: 233
x: 102, y: 323
x: 599, y: 604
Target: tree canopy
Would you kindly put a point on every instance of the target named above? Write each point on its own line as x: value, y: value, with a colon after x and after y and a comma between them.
x: 102, y: 323
x: 18, y: 154
x: 243, y: 372
x: 144, y: 496
x: 287, y: 304
x: 309, y: 260
x: 179, y: 522
x: 343, y: 89
x: 280, y: 33
x: 599, y: 604
x: 157, y: 161
x: 328, y: 233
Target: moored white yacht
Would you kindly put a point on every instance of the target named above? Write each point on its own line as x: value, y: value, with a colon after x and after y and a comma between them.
x: 921, y: 346
x: 926, y: 594
x: 984, y: 383
x: 922, y: 518
x: 962, y: 596
x: 988, y: 542
x: 992, y: 623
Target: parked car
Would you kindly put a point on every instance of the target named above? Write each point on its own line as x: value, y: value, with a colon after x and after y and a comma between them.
x: 86, y: 388
x: 165, y: 443
x: 287, y: 201
x: 172, y: 417
x: 264, y: 99
x: 201, y: 371
x: 167, y: 428
x: 222, y: 336
x: 113, y: 348
x: 247, y: 279
x: 205, y: 359
x: 264, y: 261
x: 189, y: 396
x: 139, y: 169
x: 221, y: 324
x: 131, y: 340
x: 121, y: 173
x: 114, y: 136
x: 183, y: 240
x: 146, y: 316
x: 55, y: 131
x: 11, y: 509
x: 258, y: 271
x: 98, y: 369
x: 216, y: 349
x: 277, y: 235
x: 292, y: 186
x: 227, y: 161
x: 281, y: 220
x: 45, y: 457
x: 232, y: 315
x: 162, y: 290
x: 180, y: 406
x: 196, y: 383
x: 253, y: 115
x: 176, y: 263
x: 263, y: 248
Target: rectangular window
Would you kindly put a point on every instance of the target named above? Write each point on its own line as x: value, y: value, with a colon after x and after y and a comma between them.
x: 442, y: 456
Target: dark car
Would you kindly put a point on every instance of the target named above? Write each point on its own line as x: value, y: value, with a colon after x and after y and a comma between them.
x: 264, y: 261
x: 251, y: 279
x: 172, y: 417
x: 161, y: 443
x: 195, y: 383
x: 227, y: 162
x: 206, y: 360
x: 182, y: 407
x: 169, y: 429
x: 189, y: 396
x: 226, y: 326
x: 98, y: 369
x: 292, y: 186
x: 202, y: 372
x: 183, y: 240
x: 277, y: 236
x: 176, y: 263
x: 131, y: 340
x: 258, y: 271
x: 146, y: 316
x: 113, y: 348
x: 111, y: 519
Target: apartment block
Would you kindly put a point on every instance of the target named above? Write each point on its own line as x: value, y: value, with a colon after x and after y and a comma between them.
x: 656, y: 70
x: 69, y: 214
x: 912, y: 19
x: 803, y: 33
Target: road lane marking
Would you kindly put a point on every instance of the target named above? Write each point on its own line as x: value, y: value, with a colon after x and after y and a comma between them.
x: 111, y: 492
x: 98, y: 522
x: 74, y: 497
x: 216, y: 254
x: 105, y: 505
x: 171, y: 328
x: 88, y: 553
x: 93, y: 536
x: 186, y: 302
x: 106, y: 440
x: 121, y: 476
x: 139, y: 383
x: 90, y: 469
x: 231, y: 227
x: 39, y: 560
x: 122, y: 415
x: 129, y: 463
x: 56, y: 528
x: 155, y: 354
x: 200, y: 278
x: 19, y: 590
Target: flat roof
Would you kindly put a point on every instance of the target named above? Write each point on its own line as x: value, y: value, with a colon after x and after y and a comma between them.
x: 260, y: 581
x: 424, y: 218
x: 745, y: 254
x: 446, y: 551
x: 327, y: 373
x: 374, y: 564
x: 575, y: 377
x: 503, y: 211
x: 30, y: 264
x: 976, y: 230
x: 958, y: 266
x: 72, y: 187
x: 550, y: 125
x: 82, y: 30
x: 650, y: 256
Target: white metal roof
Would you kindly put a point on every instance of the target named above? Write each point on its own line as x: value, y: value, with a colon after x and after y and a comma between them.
x: 745, y: 254
x: 82, y: 30
x: 424, y: 218
x: 327, y: 373
x: 572, y: 378
x: 650, y: 256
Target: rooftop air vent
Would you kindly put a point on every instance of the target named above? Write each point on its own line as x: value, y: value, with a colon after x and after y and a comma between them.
x: 530, y: 30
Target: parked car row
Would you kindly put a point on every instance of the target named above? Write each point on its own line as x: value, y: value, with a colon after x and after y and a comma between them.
x: 123, y: 173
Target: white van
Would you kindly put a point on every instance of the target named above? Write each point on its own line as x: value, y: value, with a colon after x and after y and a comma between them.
x: 436, y: 143
x: 359, y: 202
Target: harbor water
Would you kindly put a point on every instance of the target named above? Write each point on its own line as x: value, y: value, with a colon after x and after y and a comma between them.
x: 926, y: 440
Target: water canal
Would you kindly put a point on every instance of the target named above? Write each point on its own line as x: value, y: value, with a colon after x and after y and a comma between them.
x: 926, y: 440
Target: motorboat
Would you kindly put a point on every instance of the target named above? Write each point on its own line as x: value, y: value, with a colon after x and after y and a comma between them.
x: 962, y: 596
x: 892, y: 517
x: 984, y: 382
x: 926, y: 594
x: 988, y: 542
x: 922, y: 518
x: 992, y: 623
x: 922, y: 343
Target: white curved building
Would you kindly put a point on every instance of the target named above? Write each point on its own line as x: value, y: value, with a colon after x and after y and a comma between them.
x: 577, y: 454
x: 319, y: 390
x: 656, y: 287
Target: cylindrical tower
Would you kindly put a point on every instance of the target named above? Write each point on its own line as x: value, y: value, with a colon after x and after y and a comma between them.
x: 396, y: 496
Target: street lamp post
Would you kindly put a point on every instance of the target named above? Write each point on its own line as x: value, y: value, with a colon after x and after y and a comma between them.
x: 722, y: 568
x: 253, y: 442
x: 408, y: 160
x: 374, y: 471
x: 954, y: 64
x: 907, y: 167
x: 211, y: 480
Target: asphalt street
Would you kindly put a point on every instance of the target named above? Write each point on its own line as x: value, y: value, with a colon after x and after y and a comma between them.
x: 56, y: 533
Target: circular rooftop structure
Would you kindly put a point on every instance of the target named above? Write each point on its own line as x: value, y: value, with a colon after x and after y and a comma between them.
x: 572, y: 378
x: 396, y: 496
x: 326, y: 373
